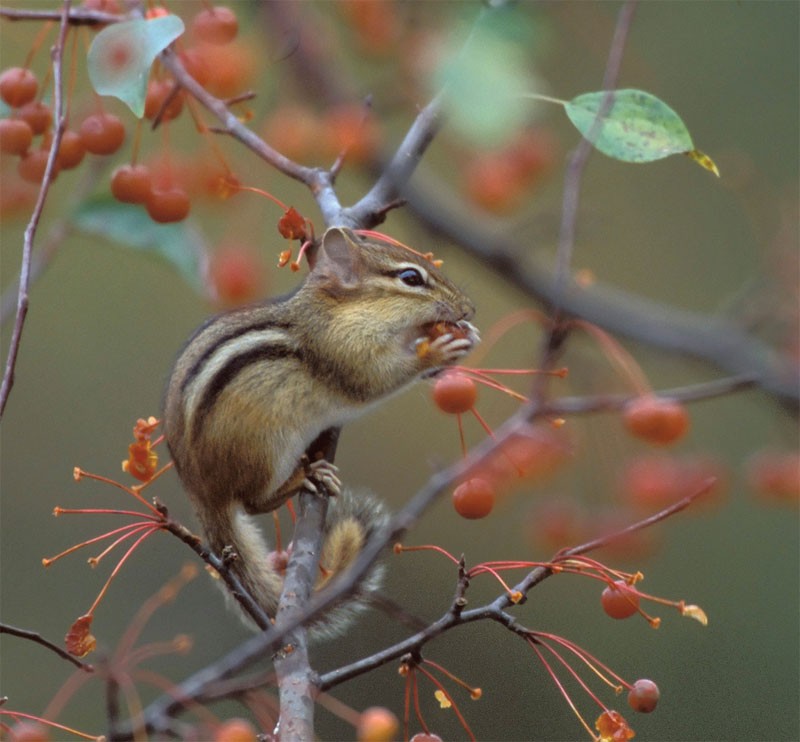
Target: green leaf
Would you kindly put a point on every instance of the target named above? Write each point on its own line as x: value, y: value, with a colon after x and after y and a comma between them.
x: 121, y: 55
x: 128, y: 225
x: 484, y: 80
x: 634, y: 127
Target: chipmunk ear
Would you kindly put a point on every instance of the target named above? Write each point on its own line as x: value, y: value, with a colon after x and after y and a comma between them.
x: 339, y: 258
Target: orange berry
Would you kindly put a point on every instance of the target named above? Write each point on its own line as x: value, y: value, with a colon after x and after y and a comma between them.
x: 294, y: 130
x: 377, y: 25
x: 105, y: 6
x: 131, y: 183
x: 654, y: 481
x: 157, y: 93
x: 534, y: 453
x: 18, y: 86
x: 655, y: 419
x: 474, y: 498
x: 168, y: 204
x: 29, y: 731
x: 644, y: 695
x: 38, y: 116
x: 619, y: 601
x: 377, y: 724
x: 454, y: 393
x: 237, y: 274
x: 631, y: 546
x: 32, y: 165
x: 348, y: 129
x: 102, y: 133
x: 775, y: 475
x: 493, y: 181
x: 534, y: 153
x: 196, y: 65
x: 216, y: 25
x: 231, y: 69
x: 71, y: 151
x: 556, y: 524
x: 236, y: 730
x: 16, y: 197
x: 15, y: 136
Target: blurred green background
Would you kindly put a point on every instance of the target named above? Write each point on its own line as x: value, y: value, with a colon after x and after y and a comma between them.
x: 106, y: 322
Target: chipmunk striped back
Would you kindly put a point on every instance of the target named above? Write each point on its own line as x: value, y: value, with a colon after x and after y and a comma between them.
x: 254, y: 387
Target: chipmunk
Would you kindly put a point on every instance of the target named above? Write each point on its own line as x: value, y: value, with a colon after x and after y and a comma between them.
x: 254, y: 387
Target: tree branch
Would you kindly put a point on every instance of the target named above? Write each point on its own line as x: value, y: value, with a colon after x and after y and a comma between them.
x: 713, y: 339
x: 292, y: 665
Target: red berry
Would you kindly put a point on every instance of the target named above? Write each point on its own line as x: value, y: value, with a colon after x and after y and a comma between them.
x: 619, y: 601
x: 474, y: 499
x: 15, y: 136
x: 18, y: 86
x: 454, y: 393
x: 71, y: 151
x: 643, y: 696
x: 376, y: 724
x: 33, y: 164
x: 102, y: 133
x: 236, y: 730
x: 217, y: 25
x: 170, y: 204
x: 131, y: 183
x: 655, y: 419
x: 38, y: 116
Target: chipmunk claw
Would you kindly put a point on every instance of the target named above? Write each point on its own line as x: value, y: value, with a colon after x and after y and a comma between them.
x: 322, y: 474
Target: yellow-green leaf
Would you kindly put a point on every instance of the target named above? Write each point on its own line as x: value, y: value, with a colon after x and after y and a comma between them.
x: 702, y: 159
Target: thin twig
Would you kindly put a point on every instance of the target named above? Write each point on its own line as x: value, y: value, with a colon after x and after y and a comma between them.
x: 59, y: 116
x: 573, y: 178
x: 58, y: 233
x: 235, y: 587
x: 496, y: 610
x: 39, y: 639
x: 581, y: 154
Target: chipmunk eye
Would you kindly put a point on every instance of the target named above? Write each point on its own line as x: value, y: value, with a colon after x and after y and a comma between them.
x: 411, y: 277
